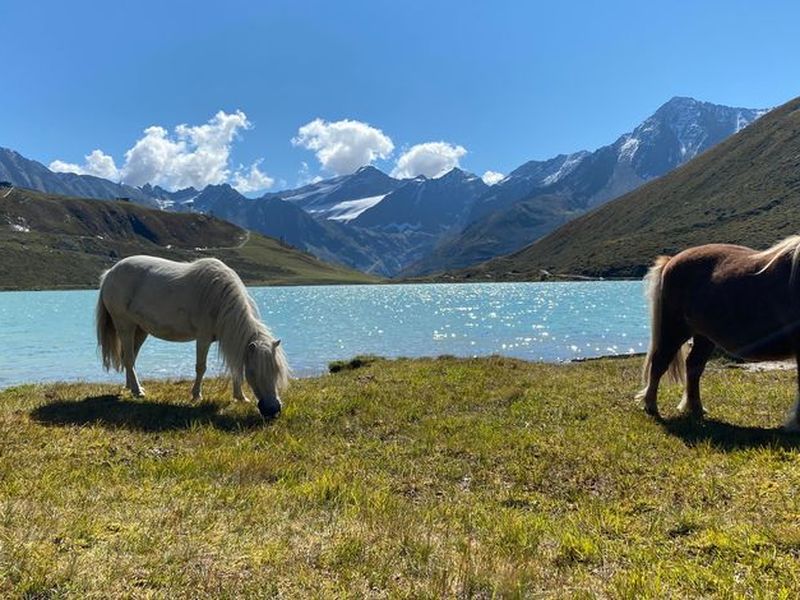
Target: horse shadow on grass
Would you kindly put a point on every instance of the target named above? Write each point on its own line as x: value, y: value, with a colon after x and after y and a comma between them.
x: 728, y: 437
x: 113, y: 412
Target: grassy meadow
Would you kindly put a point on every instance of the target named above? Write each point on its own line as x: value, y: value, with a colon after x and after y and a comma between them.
x: 410, y: 478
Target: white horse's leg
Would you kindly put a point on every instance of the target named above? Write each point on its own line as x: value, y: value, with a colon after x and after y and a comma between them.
x: 238, y: 394
x: 200, y: 367
x: 127, y: 336
x: 139, y: 338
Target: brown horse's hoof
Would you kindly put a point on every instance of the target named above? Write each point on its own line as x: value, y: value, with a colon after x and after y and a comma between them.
x: 652, y: 411
x: 693, y: 415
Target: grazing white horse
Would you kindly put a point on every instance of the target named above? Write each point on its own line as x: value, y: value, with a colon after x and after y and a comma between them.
x: 203, y: 300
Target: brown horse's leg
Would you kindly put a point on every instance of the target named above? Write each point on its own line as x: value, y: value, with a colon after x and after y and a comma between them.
x: 793, y: 420
x: 670, y: 340
x: 702, y: 347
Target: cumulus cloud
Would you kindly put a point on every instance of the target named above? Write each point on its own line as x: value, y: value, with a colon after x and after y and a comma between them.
x: 97, y: 163
x: 492, y: 177
x: 192, y: 155
x: 304, y: 176
x: 252, y: 179
x: 343, y: 146
x: 432, y: 159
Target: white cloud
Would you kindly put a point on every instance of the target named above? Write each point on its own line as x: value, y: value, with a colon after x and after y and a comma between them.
x: 492, y: 177
x: 343, y: 146
x: 252, y: 179
x: 304, y: 176
x: 432, y: 159
x: 193, y: 155
x: 97, y: 163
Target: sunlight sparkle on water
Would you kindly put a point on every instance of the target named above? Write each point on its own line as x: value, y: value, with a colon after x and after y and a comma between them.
x: 46, y: 336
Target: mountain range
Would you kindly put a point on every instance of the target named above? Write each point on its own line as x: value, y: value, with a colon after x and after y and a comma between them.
x: 375, y: 223
x: 26, y: 173
x: 746, y: 190
x: 540, y: 196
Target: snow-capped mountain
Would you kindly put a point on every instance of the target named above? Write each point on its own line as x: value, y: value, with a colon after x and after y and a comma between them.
x: 541, y: 195
x: 532, y: 175
x: 367, y: 220
x: 424, y: 204
x: 178, y: 200
x: 372, y: 252
x: 342, y: 198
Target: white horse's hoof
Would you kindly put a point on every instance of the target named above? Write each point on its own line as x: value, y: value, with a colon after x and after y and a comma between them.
x: 685, y: 411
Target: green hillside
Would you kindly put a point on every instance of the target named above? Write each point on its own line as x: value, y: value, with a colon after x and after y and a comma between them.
x: 50, y: 241
x: 746, y: 190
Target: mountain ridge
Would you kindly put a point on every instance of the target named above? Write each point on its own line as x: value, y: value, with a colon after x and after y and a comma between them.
x: 745, y: 190
x: 371, y: 221
x: 26, y: 173
x: 540, y: 196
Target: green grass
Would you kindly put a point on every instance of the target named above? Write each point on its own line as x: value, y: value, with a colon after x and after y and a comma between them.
x: 357, y: 362
x: 424, y: 478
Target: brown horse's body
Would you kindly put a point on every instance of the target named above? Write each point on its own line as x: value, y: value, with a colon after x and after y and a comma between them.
x: 744, y: 301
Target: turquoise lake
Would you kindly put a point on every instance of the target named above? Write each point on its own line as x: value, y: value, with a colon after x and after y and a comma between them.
x: 49, y: 336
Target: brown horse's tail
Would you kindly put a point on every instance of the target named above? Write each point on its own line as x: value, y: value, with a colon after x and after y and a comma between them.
x: 107, y: 339
x: 654, y: 283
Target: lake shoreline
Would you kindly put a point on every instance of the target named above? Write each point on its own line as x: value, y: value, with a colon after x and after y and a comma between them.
x: 378, y: 282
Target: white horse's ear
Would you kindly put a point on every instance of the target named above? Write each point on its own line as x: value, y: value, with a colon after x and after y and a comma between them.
x: 275, y: 344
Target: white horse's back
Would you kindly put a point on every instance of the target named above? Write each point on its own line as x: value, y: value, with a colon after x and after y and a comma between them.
x: 167, y: 299
x: 204, y: 300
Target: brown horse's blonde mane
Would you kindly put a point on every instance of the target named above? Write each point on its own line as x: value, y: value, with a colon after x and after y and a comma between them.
x: 789, y: 245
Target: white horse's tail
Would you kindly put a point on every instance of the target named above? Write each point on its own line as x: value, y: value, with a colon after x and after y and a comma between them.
x: 107, y: 339
x: 677, y: 367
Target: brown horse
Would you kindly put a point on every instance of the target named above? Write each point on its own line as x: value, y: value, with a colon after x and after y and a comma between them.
x: 744, y: 301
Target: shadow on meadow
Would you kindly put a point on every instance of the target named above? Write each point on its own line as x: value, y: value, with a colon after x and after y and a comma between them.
x: 729, y: 437
x: 114, y: 412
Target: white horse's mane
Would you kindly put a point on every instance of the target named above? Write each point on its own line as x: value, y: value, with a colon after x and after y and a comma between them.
x: 789, y: 245
x: 221, y: 290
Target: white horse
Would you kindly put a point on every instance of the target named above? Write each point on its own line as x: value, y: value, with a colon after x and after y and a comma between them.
x: 203, y: 300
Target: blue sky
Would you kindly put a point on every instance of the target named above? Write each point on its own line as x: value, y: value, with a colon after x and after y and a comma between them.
x: 503, y: 81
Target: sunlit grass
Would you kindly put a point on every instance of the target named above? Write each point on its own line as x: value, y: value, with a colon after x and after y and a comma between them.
x: 422, y: 478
